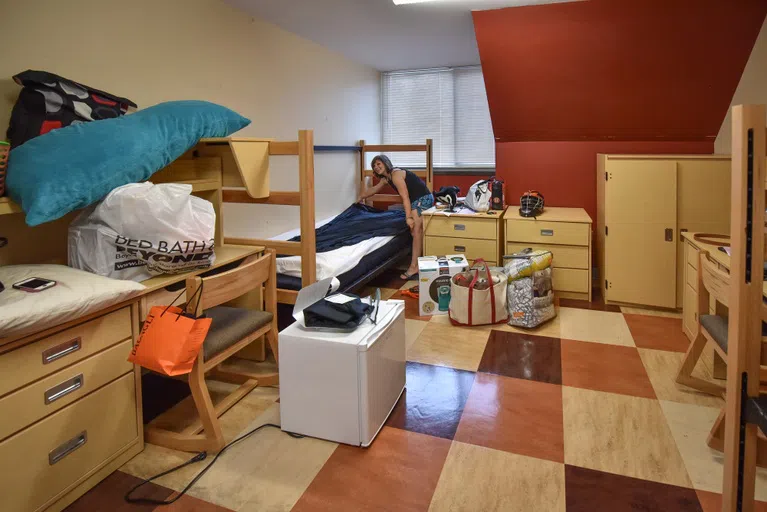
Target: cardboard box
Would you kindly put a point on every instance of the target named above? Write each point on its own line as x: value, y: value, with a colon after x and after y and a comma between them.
x: 434, y: 273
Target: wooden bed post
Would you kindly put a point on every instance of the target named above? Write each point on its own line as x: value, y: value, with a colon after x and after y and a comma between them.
x: 746, y: 290
x: 429, y: 165
x: 306, y: 191
x: 362, y: 166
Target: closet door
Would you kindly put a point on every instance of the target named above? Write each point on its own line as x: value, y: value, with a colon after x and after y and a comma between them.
x: 641, y: 224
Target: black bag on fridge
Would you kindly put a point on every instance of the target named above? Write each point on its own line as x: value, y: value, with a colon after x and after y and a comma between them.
x: 48, y: 102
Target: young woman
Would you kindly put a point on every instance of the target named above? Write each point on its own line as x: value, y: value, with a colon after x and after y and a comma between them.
x: 416, y: 198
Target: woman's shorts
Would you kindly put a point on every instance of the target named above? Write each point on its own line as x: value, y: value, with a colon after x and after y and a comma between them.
x: 422, y: 203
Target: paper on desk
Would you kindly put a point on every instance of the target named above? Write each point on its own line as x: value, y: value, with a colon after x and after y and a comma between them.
x: 308, y: 296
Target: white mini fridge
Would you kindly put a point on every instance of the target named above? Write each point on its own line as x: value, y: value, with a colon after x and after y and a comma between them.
x: 342, y: 386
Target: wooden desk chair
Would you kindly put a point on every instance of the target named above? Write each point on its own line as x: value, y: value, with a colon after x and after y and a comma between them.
x: 712, y: 282
x: 231, y: 330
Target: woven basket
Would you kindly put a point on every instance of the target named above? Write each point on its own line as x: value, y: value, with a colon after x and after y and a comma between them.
x: 5, y: 148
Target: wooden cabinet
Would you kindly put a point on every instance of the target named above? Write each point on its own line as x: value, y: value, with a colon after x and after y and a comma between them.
x: 566, y: 232
x: 476, y: 235
x: 690, y: 294
x: 71, y: 409
x: 644, y: 203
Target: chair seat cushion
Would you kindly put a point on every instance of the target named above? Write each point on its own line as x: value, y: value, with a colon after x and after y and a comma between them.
x: 717, y: 327
x: 231, y: 325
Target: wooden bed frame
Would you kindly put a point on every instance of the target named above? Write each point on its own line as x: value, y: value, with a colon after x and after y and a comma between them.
x: 253, y: 173
x: 744, y: 410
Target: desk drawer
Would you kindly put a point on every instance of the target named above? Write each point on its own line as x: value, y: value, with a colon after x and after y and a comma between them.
x: 44, y: 357
x: 570, y: 280
x: 472, y: 249
x: 482, y: 228
x: 566, y: 256
x: 692, y: 255
x: 161, y: 297
x: 56, y: 391
x: 53, y: 454
x: 560, y: 233
x: 691, y: 276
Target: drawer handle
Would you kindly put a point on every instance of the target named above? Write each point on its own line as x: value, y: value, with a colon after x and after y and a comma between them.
x: 459, y: 227
x: 68, y: 447
x: 459, y: 248
x: 547, y: 232
x: 59, y: 351
x: 63, y: 389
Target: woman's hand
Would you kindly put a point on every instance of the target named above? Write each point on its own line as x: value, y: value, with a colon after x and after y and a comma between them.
x: 410, y: 222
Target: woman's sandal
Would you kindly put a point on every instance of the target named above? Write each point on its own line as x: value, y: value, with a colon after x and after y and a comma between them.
x: 408, y: 277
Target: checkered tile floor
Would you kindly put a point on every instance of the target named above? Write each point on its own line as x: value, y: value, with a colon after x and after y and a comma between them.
x: 581, y: 414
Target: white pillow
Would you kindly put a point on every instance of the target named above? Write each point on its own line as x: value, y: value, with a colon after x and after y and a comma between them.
x: 77, y: 293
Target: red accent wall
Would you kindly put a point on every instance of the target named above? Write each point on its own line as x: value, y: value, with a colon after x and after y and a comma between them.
x: 567, y: 81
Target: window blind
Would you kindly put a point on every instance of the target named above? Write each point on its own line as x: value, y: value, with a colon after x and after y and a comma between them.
x: 448, y: 106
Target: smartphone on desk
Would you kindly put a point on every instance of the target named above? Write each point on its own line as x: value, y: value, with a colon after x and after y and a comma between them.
x: 34, y: 284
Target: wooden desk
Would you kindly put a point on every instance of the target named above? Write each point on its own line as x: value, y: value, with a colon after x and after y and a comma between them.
x: 690, y: 313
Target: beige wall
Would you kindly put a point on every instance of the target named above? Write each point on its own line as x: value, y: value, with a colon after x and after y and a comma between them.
x: 158, y: 50
x: 751, y: 89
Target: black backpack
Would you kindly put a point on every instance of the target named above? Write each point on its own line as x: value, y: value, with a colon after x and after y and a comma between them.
x: 48, y: 102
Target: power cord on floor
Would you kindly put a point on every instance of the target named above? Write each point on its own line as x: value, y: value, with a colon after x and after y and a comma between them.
x: 197, y: 458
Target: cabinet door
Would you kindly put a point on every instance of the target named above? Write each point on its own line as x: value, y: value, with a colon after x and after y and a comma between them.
x: 641, y: 221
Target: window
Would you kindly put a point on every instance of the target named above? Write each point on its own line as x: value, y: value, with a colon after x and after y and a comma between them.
x: 446, y: 105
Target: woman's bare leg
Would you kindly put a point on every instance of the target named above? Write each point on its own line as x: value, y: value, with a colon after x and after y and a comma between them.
x: 417, y: 251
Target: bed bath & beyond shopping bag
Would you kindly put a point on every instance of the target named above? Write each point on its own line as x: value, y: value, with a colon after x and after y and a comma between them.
x: 170, y: 340
x: 478, y: 296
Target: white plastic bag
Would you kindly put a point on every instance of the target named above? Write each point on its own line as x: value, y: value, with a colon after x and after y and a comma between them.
x: 142, y: 230
x: 479, y: 196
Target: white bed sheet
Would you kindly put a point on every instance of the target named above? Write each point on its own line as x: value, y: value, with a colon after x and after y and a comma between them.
x: 332, y: 263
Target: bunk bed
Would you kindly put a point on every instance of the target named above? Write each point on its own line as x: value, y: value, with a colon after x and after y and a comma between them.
x: 745, y: 410
x: 256, y: 191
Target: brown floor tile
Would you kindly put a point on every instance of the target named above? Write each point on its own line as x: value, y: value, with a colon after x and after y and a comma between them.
x: 657, y: 332
x: 433, y: 400
x: 481, y: 479
x: 399, y: 472
x: 514, y: 415
x: 597, y: 303
x: 188, y: 503
x: 712, y: 502
x: 601, y: 367
x: 522, y: 356
x: 411, y: 307
x: 108, y: 495
x: 588, y: 490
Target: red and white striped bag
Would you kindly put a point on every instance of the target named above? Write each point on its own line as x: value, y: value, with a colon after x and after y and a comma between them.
x: 469, y: 306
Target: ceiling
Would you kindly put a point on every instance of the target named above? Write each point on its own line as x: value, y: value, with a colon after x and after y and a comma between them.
x: 383, y: 35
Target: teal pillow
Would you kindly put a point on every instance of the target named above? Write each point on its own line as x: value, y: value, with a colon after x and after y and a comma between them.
x: 73, y: 167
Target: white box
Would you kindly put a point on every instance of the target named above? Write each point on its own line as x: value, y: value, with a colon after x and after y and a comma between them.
x: 343, y: 386
x: 434, y: 273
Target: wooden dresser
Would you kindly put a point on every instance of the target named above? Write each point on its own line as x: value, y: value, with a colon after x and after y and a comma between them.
x: 70, y: 404
x: 476, y: 235
x: 566, y: 232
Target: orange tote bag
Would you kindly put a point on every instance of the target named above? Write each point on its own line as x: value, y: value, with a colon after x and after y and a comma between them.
x: 170, y: 340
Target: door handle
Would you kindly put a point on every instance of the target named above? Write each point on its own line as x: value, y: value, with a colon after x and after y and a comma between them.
x: 669, y: 235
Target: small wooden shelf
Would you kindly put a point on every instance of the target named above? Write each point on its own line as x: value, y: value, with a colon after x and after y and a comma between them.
x: 202, y: 185
x: 7, y: 206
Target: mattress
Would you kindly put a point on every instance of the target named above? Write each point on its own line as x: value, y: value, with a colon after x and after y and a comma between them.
x: 397, y: 246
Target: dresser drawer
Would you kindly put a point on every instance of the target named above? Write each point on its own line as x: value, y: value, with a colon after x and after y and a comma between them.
x: 567, y: 256
x: 161, y: 297
x: 472, y: 249
x: 481, y: 228
x: 542, y: 232
x: 570, y: 280
x: 53, y: 454
x: 56, y: 391
x: 31, y: 362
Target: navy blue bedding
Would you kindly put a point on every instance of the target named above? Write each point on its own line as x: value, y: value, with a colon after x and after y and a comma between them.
x: 356, y: 224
